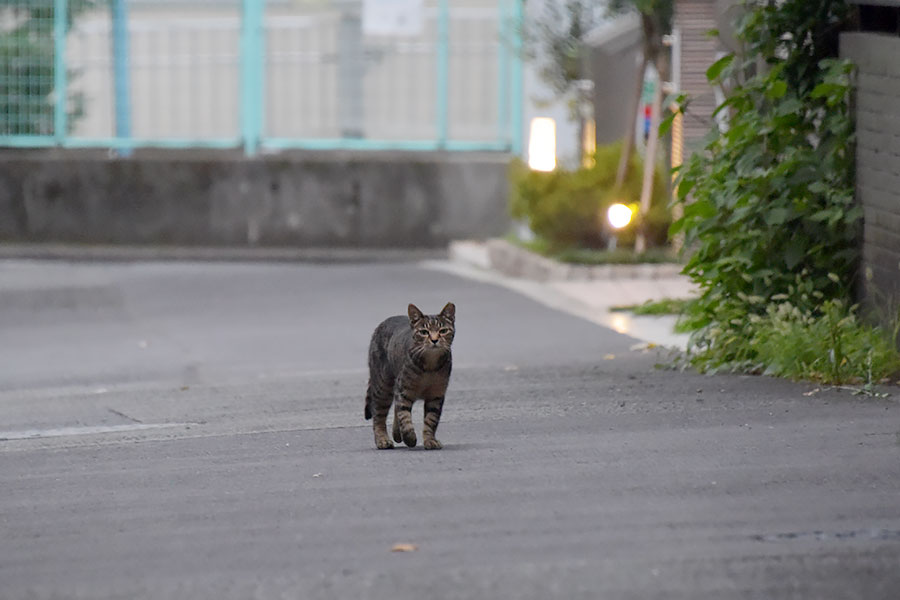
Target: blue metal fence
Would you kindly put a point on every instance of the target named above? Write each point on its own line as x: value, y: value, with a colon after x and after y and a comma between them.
x: 262, y: 75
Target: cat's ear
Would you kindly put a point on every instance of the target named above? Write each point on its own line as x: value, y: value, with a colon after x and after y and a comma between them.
x: 449, y: 312
x: 415, y: 315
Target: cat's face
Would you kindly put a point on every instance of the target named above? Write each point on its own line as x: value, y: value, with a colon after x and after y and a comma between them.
x: 433, y: 333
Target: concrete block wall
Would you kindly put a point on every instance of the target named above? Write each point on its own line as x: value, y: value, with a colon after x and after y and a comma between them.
x: 877, y: 107
x: 300, y: 200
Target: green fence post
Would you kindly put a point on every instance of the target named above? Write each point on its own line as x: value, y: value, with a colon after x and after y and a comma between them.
x: 251, y: 74
x: 503, y: 81
x: 121, y: 75
x: 60, y: 93
x: 516, y: 85
x: 259, y: 58
x: 443, y: 72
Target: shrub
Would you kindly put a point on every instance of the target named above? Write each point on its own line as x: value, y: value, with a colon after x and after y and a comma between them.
x: 568, y: 208
x: 772, y: 220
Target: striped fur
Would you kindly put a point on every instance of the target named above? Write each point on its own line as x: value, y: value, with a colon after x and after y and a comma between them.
x: 409, y: 359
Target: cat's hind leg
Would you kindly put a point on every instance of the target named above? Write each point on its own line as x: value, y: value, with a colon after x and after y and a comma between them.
x: 397, y: 436
x: 378, y: 404
x: 433, y: 408
x: 379, y: 428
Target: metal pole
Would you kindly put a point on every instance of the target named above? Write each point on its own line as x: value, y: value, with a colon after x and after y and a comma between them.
x: 121, y: 73
x: 443, y: 72
x: 60, y: 93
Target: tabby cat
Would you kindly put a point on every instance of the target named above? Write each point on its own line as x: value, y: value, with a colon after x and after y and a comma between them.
x: 409, y: 358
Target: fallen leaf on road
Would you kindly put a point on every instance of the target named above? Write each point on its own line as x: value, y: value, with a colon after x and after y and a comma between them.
x: 404, y: 548
x: 643, y: 347
x: 609, y: 356
x: 811, y: 392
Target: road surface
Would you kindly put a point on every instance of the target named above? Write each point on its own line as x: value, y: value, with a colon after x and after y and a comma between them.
x: 195, y: 430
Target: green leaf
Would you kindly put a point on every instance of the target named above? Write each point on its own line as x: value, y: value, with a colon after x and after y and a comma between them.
x: 699, y: 208
x: 777, y: 89
x: 826, y: 89
x: 777, y: 216
x: 822, y: 215
x: 684, y: 188
x: 791, y: 106
x: 713, y: 72
x: 794, y: 253
x: 666, y: 124
x: 818, y: 187
x: 725, y: 104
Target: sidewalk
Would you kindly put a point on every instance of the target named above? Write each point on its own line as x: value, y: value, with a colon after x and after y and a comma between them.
x: 586, y: 292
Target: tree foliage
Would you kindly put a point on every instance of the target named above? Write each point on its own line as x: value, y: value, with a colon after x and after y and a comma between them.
x: 27, y: 49
x: 771, y: 216
x: 656, y: 21
x: 556, y: 39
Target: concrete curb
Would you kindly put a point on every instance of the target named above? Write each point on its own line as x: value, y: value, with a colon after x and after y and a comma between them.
x: 513, y: 261
x: 123, y: 253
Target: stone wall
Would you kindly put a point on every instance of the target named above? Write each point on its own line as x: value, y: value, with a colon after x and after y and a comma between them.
x: 301, y: 200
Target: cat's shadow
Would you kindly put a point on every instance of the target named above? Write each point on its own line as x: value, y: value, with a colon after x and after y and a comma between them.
x: 451, y: 447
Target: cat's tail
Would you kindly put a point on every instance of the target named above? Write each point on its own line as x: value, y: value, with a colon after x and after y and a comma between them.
x: 368, y: 411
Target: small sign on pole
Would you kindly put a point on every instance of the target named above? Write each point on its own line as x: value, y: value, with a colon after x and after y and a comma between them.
x: 393, y: 17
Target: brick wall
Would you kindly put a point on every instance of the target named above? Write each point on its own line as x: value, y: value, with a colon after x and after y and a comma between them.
x: 877, y: 106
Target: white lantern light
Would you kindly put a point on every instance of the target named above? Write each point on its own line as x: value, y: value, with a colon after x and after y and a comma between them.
x: 542, y: 144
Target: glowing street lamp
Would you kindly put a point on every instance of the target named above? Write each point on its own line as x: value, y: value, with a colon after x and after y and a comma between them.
x: 618, y: 216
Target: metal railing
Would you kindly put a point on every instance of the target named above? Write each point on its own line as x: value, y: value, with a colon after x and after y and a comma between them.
x: 261, y: 74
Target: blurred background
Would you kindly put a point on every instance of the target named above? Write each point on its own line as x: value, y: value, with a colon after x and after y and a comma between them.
x: 464, y: 86
x: 262, y: 73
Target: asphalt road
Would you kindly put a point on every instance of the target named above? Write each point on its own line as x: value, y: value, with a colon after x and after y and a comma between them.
x: 188, y: 430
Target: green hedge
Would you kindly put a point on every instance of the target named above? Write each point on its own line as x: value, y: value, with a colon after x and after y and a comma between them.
x: 568, y: 208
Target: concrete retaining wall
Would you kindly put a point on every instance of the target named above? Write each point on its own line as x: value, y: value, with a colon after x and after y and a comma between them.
x: 877, y: 58
x: 514, y: 261
x: 301, y: 199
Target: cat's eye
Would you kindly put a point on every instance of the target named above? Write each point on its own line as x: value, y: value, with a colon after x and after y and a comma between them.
x: 423, y: 332
x: 444, y: 331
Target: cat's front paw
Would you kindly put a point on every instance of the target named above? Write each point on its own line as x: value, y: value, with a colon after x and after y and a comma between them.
x: 432, y: 444
x: 383, y: 444
x: 409, y: 438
